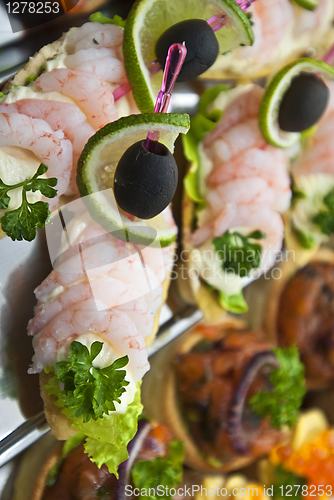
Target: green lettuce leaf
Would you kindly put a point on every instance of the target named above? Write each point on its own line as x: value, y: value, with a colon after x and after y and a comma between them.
x: 234, y: 303
x: 306, y: 240
x: 106, y: 438
x: 98, y: 17
x: 72, y: 443
x: 200, y: 125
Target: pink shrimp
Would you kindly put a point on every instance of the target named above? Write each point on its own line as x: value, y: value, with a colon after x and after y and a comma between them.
x: 272, y: 22
x: 37, y: 136
x: 89, y: 91
x: 244, y: 106
x: 241, y: 192
x: 315, y: 22
x: 101, y: 62
x: 60, y: 116
x: 233, y: 141
x: 114, y: 326
x: 96, y: 260
x: 268, y: 165
x: 248, y: 182
x: 318, y: 155
x: 94, y: 35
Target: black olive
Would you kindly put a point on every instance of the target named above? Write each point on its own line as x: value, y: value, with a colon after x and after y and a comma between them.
x: 145, y: 182
x: 201, y: 44
x: 303, y: 103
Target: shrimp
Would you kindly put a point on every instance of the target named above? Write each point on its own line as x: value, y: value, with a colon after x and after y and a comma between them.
x: 101, y: 62
x: 114, y: 326
x: 50, y: 147
x: 248, y: 182
x: 94, y: 260
x: 89, y: 91
x: 244, y: 106
x: 241, y: 192
x: 94, y: 35
x: 313, y: 22
x: 269, y: 165
x: 272, y: 22
x: 239, y: 137
x: 60, y: 116
x: 318, y: 156
x: 107, y: 292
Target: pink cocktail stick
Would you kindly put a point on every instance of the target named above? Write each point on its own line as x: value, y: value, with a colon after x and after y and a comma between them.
x: 329, y: 57
x: 218, y: 21
x: 174, y: 61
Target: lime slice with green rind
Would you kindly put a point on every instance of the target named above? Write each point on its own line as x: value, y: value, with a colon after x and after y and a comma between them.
x: 148, y: 19
x: 96, y: 170
x: 307, y: 4
x: 269, y: 109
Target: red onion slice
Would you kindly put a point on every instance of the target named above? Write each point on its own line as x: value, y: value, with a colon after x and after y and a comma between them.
x: 234, y: 423
x: 134, y: 447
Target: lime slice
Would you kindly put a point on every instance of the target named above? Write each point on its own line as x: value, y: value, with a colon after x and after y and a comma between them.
x: 148, y: 19
x: 96, y: 170
x: 268, y: 116
x: 307, y: 4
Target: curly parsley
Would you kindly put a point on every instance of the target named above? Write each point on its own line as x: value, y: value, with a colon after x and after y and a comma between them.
x: 165, y: 471
x: 325, y: 218
x: 239, y: 253
x: 21, y: 223
x: 283, y: 402
x: 90, y: 392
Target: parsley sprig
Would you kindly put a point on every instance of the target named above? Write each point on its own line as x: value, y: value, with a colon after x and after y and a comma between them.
x: 90, y: 392
x: 283, y: 402
x: 165, y: 471
x: 239, y: 253
x: 20, y: 224
x: 325, y: 218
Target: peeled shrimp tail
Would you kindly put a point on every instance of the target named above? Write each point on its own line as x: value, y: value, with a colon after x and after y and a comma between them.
x: 60, y: 116
x: 89, y: 91
x: 50, y: 147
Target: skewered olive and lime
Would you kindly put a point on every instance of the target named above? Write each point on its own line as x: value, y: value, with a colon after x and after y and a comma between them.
x: 294, y: 101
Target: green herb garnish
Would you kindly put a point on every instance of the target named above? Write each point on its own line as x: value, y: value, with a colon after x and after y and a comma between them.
x: 20, y: 224
x: 98, y: 17
x: 287, y: 483
x: 325, y: 218
x: 90, y: 392
x: 239, y: 253
x: 234, y: 303
x: 166, y: 472
x: 283, y: 402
